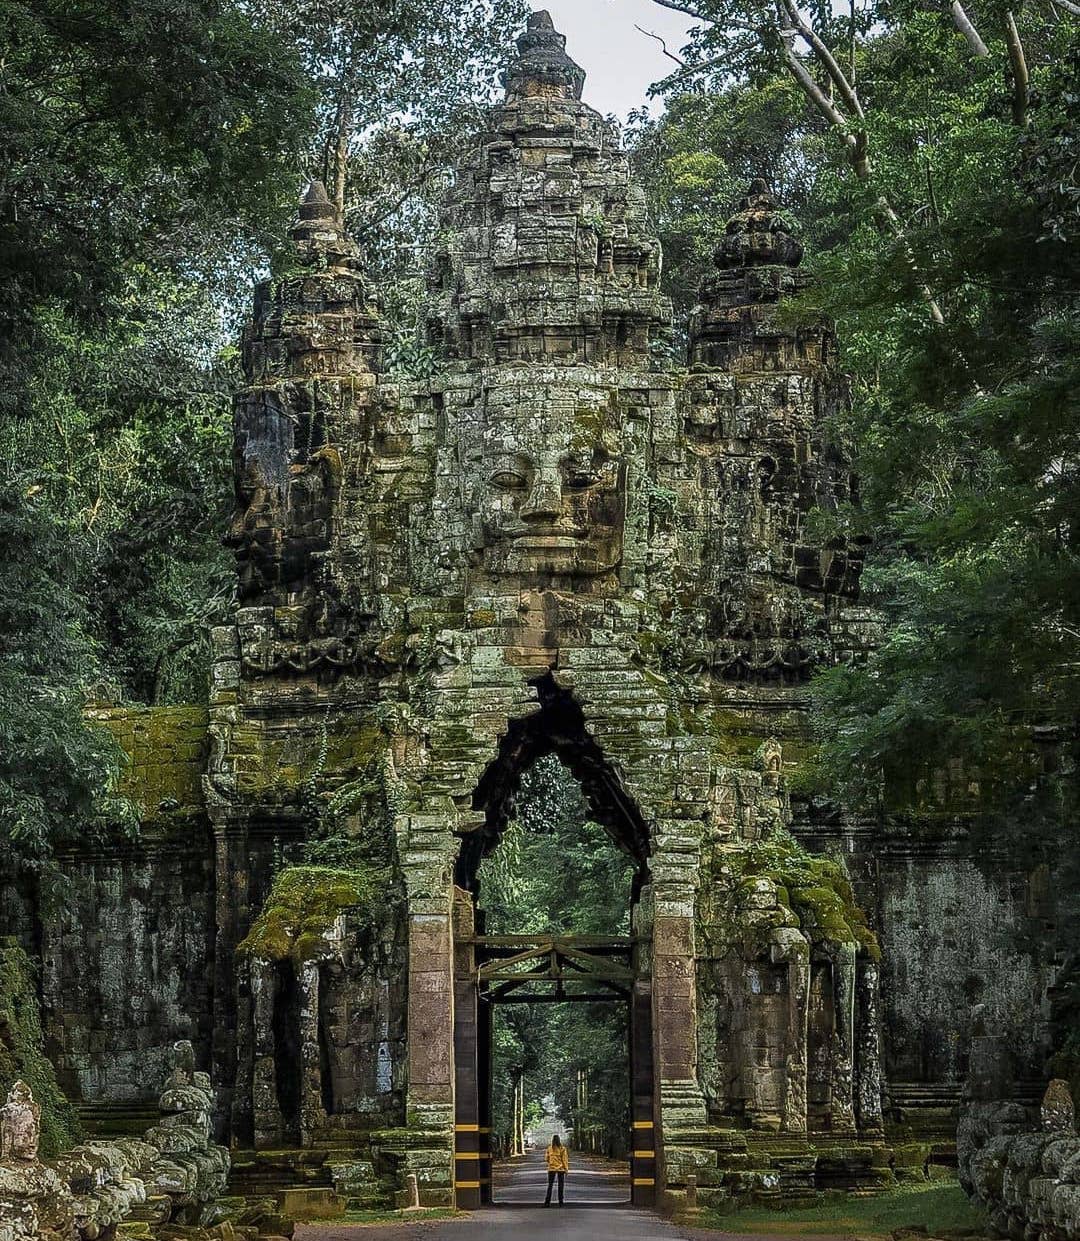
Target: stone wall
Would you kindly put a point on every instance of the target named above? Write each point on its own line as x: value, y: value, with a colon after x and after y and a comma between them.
x: 165, y: 749
x: 123, y: 947
x: 963, y: 938
x: 967, y: 934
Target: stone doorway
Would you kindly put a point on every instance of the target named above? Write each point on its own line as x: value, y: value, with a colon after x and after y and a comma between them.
x: 571, y: 971
x: 497, y: 972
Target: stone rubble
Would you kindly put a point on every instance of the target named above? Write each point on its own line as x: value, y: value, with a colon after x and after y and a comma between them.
x: 175, y: 1176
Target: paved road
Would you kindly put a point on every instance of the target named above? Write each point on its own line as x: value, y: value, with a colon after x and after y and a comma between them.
x: 597, y: 1209
x: 592, y: 1183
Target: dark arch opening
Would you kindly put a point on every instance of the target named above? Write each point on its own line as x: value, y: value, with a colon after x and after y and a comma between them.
x: 557, y: 728
x: 608, y: 1090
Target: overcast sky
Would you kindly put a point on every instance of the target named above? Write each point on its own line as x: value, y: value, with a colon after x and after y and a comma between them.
x: 620, y: 61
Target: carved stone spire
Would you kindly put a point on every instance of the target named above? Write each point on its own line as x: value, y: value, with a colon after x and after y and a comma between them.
x: 547, y: 257
x: 757, y: 261
x: 758, y: 234
x: 542, y: 68
x: 318, y: 232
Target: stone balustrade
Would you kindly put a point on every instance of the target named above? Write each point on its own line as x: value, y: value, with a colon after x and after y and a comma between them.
x: 175, y: 1174
x: 1027, y: 1180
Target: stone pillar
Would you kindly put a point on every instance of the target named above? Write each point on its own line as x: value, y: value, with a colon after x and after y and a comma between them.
x: 868, y: 1081
x: 312, y: 1112
x: 674, y: 982
x: 430, y: 1102
x: 790, y: 947
x: 842, y: 1068
x: 231, y: 899
x: 266, y: 1115
x: 241, y: 1120
x: 467, y: 1171
x: 229, y: 825
x: 680, y: 1113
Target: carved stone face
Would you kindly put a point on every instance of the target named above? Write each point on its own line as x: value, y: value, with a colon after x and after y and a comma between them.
x: 549, y: 493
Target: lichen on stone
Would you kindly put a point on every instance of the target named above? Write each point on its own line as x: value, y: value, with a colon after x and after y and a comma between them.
x: 815, y: 888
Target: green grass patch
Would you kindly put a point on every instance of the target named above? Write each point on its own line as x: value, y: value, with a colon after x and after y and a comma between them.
x: 939, y: 1207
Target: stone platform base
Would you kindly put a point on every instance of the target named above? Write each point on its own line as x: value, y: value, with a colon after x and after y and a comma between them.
x: 738, y: 1167
x: 312, y: 1183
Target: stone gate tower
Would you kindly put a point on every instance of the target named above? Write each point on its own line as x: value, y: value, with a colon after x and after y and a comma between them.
x: 561, y: 542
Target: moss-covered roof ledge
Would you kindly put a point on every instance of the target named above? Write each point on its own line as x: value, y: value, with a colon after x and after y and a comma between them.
x: 166, y: 751
x: 304, y: 915
x: 781, y: 884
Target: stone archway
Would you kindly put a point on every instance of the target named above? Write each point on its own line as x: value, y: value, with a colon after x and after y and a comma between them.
x: 583, y: 968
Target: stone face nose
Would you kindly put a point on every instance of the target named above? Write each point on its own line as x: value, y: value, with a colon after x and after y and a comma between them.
x: 544, y: 501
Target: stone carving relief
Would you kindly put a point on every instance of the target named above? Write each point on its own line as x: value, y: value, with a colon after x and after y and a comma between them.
x: 548, y: 489
x: 20, y: 1124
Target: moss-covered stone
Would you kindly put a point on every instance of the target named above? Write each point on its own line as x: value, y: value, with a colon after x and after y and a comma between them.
x: 21, y: 1050
x: 166, y: 750
x: 303, y: 906
x: 816, y: 889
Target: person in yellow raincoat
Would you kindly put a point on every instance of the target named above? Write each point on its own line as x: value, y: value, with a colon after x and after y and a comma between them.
x: 558, y: 1164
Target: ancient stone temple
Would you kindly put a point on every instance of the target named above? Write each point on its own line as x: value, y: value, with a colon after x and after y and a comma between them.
x: 562, y: 542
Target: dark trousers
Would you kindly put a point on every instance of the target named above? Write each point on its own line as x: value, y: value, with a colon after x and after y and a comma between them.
x: 551, y: 1182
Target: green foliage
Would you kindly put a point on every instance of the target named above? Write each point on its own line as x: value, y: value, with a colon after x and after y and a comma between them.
x: 699, y: 156
x: 22, y: 1055
x: 144, y: 153
x: 555, y: 869
x: 55, y: 769
x: 965, y: 429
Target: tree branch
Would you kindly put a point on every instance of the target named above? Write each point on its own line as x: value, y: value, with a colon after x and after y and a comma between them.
x: 963, y: 24
x: 1018, y: 62
x: 817, y: 96
x: 649, y: 34
x: 828, y: 61
x: 687, y: 9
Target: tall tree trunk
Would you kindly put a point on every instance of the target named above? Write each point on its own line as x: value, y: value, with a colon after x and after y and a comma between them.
x: 1018, y: 64
x: 342, y: 137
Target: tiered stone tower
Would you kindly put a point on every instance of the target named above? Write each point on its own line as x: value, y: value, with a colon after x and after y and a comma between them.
x: 560, y: 543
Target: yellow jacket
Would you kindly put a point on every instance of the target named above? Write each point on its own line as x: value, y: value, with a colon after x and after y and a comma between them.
x: 557, y: 1159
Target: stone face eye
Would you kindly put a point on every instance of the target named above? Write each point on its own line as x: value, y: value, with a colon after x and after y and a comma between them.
x: 509, y: 480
